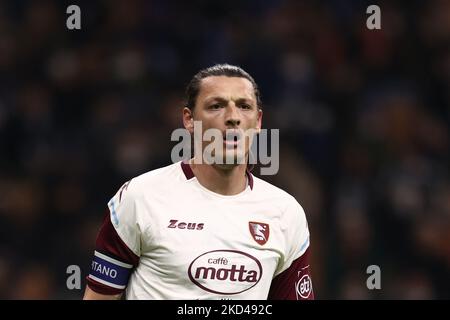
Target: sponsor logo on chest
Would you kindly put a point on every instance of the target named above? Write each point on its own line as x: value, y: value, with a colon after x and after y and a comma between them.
x: 225, y: 271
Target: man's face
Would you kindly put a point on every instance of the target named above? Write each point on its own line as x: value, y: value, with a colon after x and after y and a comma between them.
x: 229, y: 105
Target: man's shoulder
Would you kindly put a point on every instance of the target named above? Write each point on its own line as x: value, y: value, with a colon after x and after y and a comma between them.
x: 290, y: 208
x: 270, y: 191
x: 154, y: 179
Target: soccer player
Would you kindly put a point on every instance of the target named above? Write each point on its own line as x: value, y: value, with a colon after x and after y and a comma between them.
x: 196, y: 230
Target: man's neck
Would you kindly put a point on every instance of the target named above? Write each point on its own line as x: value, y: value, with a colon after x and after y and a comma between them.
x: 224, y: 180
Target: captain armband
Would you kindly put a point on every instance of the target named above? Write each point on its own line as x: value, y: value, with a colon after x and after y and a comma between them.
x: 109, y: 271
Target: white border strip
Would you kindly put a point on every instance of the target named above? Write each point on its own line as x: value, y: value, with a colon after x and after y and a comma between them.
x: 109, y: 284
x: 109, y: 259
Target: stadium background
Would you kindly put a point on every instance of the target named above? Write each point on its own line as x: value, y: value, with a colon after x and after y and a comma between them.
x: 363, y: 117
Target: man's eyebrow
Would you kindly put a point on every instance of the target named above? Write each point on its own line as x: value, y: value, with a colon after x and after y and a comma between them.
x: 217, y: 99
x: 223, y: 100
x: 245, y: 100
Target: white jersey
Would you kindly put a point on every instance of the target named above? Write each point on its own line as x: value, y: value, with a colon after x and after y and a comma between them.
x: 192, y: 243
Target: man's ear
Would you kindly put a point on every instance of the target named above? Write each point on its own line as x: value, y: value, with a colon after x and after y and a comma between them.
x: 188, y: 119
x: 259, y: 121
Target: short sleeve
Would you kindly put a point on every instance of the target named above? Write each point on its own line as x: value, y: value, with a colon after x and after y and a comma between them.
x: 124, y: 218
x: 117, y: 247
x: 296, y: 233
x: 292, y: 280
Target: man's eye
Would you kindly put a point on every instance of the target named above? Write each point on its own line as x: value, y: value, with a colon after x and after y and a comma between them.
x: 214, y: 106
x: 246, y: 106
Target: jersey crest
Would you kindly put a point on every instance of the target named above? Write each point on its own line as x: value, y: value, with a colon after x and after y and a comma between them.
x: 259, y: 231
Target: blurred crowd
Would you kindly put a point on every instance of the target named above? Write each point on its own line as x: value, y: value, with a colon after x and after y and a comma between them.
x: 363, y: 118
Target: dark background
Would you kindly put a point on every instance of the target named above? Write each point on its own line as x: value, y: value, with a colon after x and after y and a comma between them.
x: 363, y: 118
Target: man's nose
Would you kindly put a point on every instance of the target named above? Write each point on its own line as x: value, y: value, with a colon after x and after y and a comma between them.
x: 232, y: 116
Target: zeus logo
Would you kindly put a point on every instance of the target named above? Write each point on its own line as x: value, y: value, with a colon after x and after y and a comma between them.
x: 174, y: 224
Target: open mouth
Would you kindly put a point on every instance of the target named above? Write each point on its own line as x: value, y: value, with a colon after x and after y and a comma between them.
x: 231, y: 138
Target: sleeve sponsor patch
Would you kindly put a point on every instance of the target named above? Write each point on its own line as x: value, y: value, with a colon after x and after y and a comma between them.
x: 303, y: 286
x: 294, y: 283
x: 109, y: 271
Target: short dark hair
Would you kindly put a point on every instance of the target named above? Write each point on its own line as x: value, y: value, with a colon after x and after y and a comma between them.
x: 227, y: 70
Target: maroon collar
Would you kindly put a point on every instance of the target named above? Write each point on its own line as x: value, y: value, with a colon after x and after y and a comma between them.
x: 250, y: 178
x: 187, y: 170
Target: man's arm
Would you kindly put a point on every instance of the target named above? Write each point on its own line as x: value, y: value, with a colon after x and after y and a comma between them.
x: 113, y: 261
x: 90, y: 294
x: 111, y: 254
x: 294, y: 283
